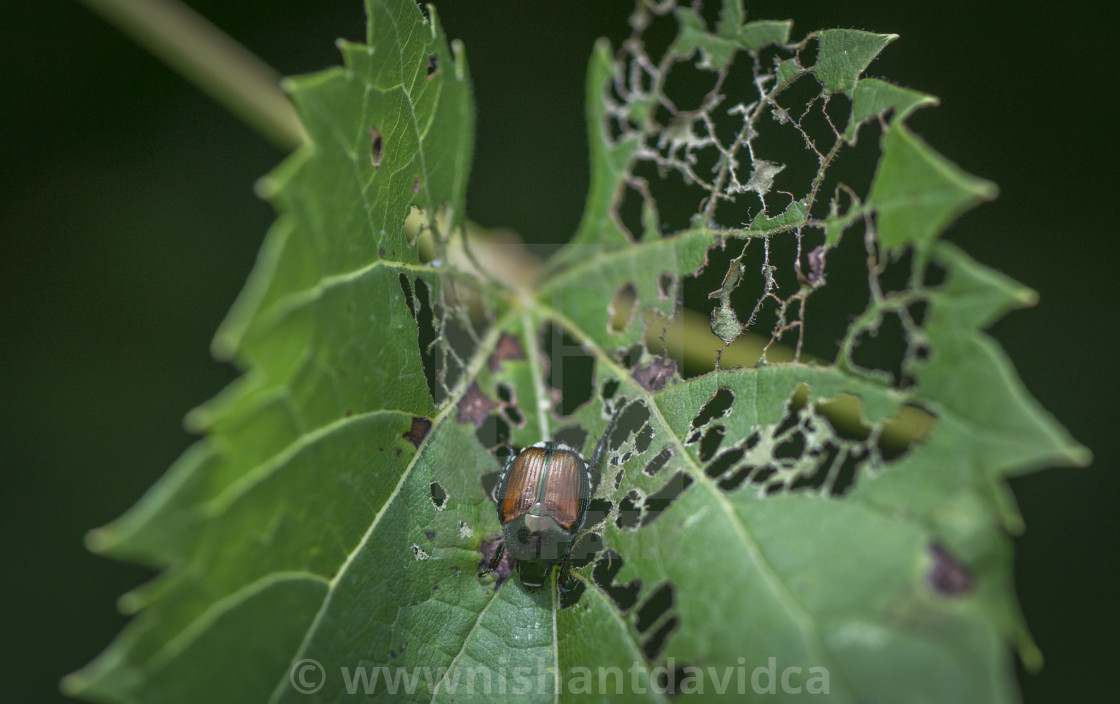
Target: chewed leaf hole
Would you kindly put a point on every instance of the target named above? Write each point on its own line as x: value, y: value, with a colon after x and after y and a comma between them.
x: 792, y: 418
x: 597, y: 512
x: 571, y: 591
x: 643, y: 439
x: 489, y: 484
x: 653, y: 645
x: 426, y: 320
x: 654, y: 607
x: 846, y: 475
x: 722, y: 463
x: 572, y: 436
x: 911, y: 426
x: 684, y: 679
x: 585, y: 550
x: 629, y: 212
x: 494, y: 431
x: 507, y: 400
x: 711, y: 441
x: 752, y: 440
x: 433, y: 65
x: 917, y: 312
x: 514, y: 415
x: 881, y: 351
x: 569, y: 368
x: 736, y: 478
x: 658, y: 502
x: 838, y: 108
x: 622, y: 308
x: 895, y: 270
x: 376, y: 145
x: 845, y: 415
x: 406, y: 288
x: 825, y: 460
x: 610, y: 387
x: 764, y: 474
x: 934, y: 274
x: 632, y: 421
x: 418, y: 300
x: 439, y: 495
x: 606, y: 569
x: 665, y: 287
x: 629, y: 511
x: 716, y: 407
x: 791, y: 447
x: 659, y: 460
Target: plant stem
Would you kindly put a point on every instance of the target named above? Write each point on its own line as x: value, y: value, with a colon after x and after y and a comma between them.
x: 211, y: 60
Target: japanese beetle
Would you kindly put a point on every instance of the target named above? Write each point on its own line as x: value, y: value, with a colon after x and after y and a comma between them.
x: 543, y: 493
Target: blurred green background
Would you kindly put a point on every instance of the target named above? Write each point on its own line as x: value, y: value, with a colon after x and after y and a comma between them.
x: 128, y: 224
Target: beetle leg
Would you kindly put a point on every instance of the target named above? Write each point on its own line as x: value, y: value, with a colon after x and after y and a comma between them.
x: 498, y: 552
x: 564, y: 568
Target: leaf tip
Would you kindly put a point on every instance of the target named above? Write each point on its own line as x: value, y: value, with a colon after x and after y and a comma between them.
x: 72, y: 684
x: 196, y: 420
x: 100, y: 540
x: 1079, y: 455
x: 130, y: 603
x: 266, y: 188
x: 1026, y: 297
x: 459, y: 51
x: 602, y: 48
x: 1031, y: 657
x: 985, y: 189
x: 222, y: 348
x: 288, y: 84
x: 86, y: 683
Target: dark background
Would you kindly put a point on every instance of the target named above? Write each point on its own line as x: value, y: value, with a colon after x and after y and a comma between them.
x: 128, y: 224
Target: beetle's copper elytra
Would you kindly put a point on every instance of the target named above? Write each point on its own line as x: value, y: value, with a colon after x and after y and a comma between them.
x: 549, y: 475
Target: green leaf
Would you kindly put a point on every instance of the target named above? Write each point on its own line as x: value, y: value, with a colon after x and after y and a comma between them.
x: 917, y: 192
x: 793, y: 216
x: 1018, y: 434
x: 264, y: 512
x: 786, y: 529
x: 844, y: 54
x: 718, y: 50
x: 874, y: 98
